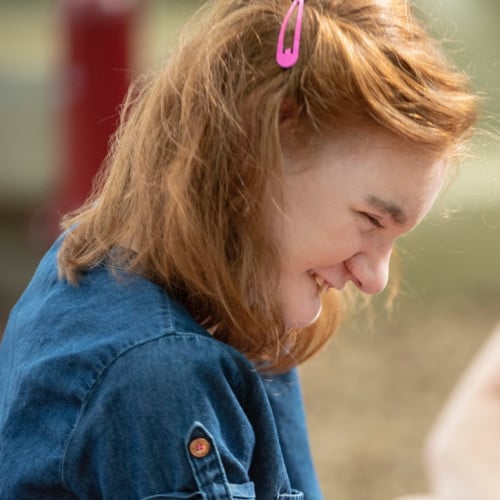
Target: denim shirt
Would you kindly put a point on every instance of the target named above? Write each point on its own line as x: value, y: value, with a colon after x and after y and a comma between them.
x: 111, y: 390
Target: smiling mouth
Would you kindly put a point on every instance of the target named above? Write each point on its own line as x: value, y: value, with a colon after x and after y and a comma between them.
x: 323, y: 285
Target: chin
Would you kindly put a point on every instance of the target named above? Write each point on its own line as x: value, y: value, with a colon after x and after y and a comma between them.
x: 316, y: 316
x: 306, y: 319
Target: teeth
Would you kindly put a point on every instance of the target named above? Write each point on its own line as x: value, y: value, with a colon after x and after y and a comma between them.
x: 319, y: 280
x: 322, y: 284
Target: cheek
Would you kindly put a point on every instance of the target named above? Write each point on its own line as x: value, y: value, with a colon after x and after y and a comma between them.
x: 339, y: 245
x: 324, y: 241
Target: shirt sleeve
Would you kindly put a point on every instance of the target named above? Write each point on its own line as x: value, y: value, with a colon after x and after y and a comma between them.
x: 167, y: 417
x: 285, y: 396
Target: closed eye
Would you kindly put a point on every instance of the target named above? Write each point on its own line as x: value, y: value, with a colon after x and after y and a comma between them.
x: 372, y: 219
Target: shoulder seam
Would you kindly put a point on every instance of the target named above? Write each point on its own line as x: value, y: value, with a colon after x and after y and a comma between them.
x: 166, y: 310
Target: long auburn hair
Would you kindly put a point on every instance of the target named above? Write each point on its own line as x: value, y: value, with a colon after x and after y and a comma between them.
x: 198, y: 146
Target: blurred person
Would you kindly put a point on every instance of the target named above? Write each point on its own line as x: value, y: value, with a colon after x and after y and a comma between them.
x: 277, y: 156
x: 462, y: 453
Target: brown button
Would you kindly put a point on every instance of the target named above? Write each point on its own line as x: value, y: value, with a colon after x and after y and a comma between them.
x: 199, y: 447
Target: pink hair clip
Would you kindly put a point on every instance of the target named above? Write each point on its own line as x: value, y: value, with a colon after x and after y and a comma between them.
x: 287, y: 57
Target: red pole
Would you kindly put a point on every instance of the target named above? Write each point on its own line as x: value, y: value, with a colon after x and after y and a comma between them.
x: 96, y: 75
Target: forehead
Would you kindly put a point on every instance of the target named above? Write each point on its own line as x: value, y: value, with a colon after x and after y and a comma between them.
x: 388, y: 172
x: 361, y: 151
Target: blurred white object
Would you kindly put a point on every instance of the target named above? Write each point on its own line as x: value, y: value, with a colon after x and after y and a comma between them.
x: 417, y: 497
x: 463, y: 451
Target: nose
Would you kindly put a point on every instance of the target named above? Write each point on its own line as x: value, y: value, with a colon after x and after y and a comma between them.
x: 370, y: 271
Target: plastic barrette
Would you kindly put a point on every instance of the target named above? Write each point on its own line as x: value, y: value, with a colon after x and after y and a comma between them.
x: 288, y: 57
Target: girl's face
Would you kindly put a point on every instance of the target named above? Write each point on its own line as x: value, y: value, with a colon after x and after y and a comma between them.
x: 345, y: 202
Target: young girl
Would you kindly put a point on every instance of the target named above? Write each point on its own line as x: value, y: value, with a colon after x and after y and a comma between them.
x: 276, y: 157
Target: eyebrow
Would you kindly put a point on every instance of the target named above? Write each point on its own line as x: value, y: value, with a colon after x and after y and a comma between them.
x: 392, y: 209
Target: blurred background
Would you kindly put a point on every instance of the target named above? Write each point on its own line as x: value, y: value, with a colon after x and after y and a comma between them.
x: 374, y: 392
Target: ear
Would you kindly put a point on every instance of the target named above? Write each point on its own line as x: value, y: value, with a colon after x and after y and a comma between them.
x: 289, y: 114
x: 288, y: 123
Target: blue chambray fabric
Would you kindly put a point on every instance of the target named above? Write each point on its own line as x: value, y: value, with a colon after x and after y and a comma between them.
x: 104, y: 386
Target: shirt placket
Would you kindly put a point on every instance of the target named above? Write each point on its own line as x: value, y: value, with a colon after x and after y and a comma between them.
x: 206, y: 464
